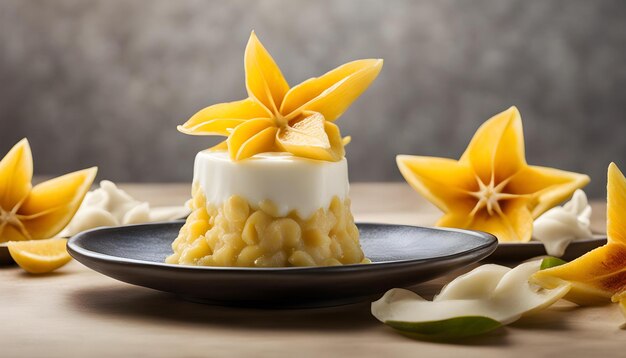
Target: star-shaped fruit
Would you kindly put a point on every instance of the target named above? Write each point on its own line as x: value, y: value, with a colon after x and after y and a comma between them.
x: 277, y: 118
x: 601, y: 273
x: 491, y: 188
x: 39, y: 212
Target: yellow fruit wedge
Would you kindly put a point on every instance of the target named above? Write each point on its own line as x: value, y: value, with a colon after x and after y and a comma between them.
x: 276, y: 117
x: 601, y: 273
x: 312, y: 137
x: 40, y: 212
x: 491, y: 188
x: 39, y: 256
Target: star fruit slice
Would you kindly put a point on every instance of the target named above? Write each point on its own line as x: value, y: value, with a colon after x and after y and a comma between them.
x: 491, y: 187
x: 312, y: 137
x: 480, y: 301
x: 39, y: 256
x: 600, y: 273
x: 40, y: 212
x: 277, y: 117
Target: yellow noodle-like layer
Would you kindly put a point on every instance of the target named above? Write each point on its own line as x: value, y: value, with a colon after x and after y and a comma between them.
x: 237, y: 234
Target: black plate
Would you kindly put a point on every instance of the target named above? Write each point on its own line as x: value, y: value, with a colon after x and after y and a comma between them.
x: 402, y: 256
x: 517, y: 252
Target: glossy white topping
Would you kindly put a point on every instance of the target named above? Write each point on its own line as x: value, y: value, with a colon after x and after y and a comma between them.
x: 291, y: 183
x: 559, y: 226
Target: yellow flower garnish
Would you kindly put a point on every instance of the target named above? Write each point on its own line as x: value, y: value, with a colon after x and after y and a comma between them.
x: 275, y: 117
x: 600, y: 273
x: 491, y: 188
x: 40, y: 212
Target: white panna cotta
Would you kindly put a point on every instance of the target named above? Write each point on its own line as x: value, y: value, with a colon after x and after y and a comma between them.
x: 270, y: 210
x: 290, y: 183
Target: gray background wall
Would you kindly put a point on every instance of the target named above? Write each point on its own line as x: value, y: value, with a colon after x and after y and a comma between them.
x: 105, y: 82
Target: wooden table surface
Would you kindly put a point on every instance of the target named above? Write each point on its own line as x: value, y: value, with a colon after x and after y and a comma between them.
x: 76, y: 312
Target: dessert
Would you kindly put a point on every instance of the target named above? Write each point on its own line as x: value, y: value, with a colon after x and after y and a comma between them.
x: 600, y: 274
x: 491, y: 188
x: 39, y: 212
x: 275, y: 192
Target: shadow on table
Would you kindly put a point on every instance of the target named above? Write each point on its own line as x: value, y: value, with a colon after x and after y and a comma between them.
x: 141, y: 304
x: 158, y: 307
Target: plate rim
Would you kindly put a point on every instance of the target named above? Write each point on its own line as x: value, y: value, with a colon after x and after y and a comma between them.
x: 595, y: 238
x: 78, y: 252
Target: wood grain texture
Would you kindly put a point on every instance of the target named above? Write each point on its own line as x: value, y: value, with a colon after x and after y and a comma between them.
x: 76, y: 312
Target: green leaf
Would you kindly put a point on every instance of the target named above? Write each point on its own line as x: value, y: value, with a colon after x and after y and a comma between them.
x: 550, y: 262
x: 447, y: 329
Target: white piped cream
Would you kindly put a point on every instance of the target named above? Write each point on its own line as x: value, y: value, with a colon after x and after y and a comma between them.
x: 561, y: 225
x: 291, y: 183
x: 111, y: 206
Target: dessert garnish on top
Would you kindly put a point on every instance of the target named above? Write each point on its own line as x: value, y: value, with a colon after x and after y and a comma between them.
x: 278, y: 118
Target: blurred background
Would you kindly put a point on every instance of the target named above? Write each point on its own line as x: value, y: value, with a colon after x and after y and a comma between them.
x: 95, y: 82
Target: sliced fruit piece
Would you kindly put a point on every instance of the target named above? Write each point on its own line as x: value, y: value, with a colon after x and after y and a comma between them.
x: 219, y: 118
x: 52, y: 204
x: 244, y: 132
x: 264, y: 141
x: 312, y: 137
x: 270, y: 98
x: 332, y: 93
x: 600, y: 273
x: 40, y: 256
x: 16, y: 173
x: 264, y: 80
x: 488, y: 293
x: 491, y: 187
x: 28, y: 213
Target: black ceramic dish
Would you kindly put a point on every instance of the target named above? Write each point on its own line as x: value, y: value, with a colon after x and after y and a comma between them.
x: 402, y: 256
x: 518, y: 252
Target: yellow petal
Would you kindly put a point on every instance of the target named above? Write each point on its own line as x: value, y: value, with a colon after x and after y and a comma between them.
x: 332, y: 93
x: 616, y: 205
x: 497, y: 148
x: 444, y: 182
x: 548, y: 186
x: 312, y: 137
x: 600, y: 273
x: 40, y: 256
x: 264, y: 141
x: 264, y: 81
x: 243, y: 132
x: 16, y: 172
x: 220, y: 118
x: 52, y: 204
x: 595, y: 276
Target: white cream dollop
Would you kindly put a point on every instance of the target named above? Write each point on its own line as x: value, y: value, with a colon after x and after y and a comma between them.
x: 111, y: 206
x: 290, y: 182
x: 559, y: 226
